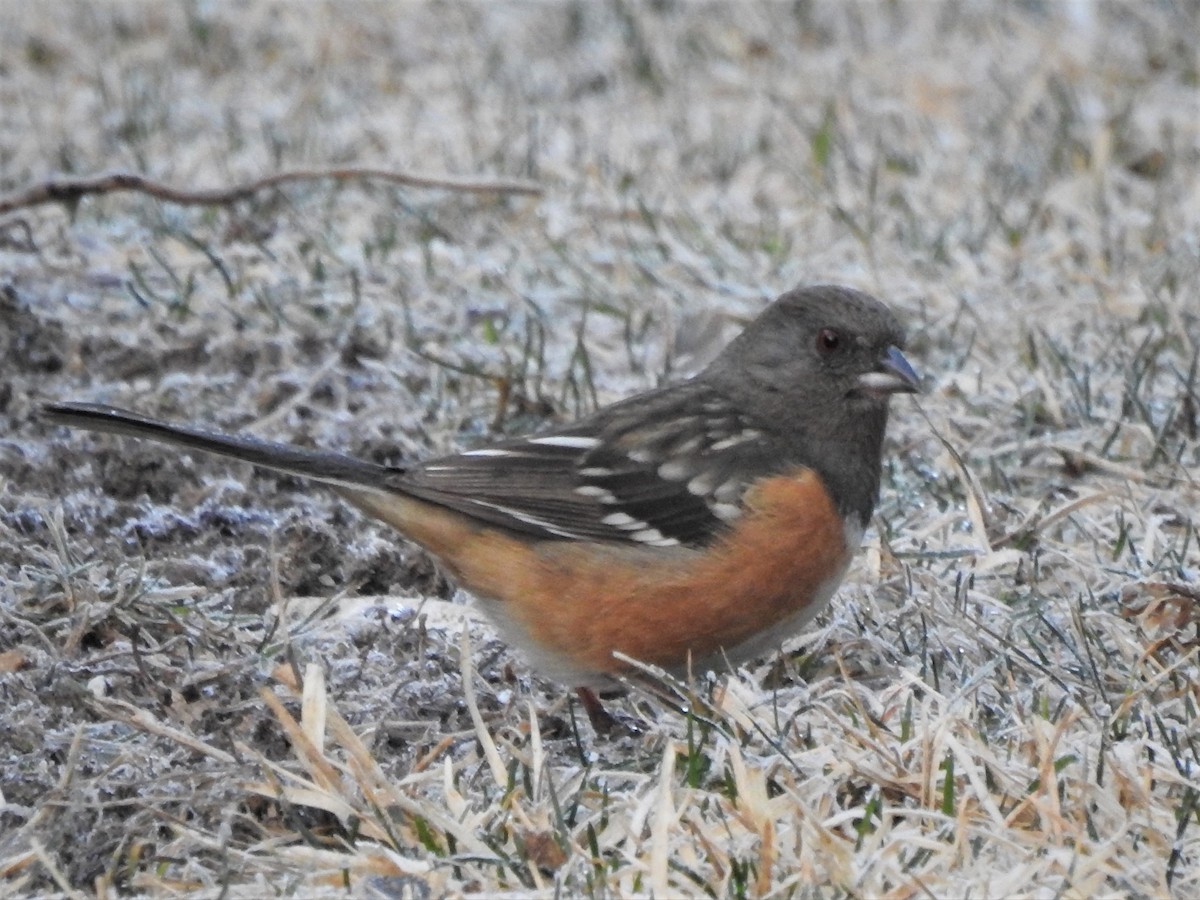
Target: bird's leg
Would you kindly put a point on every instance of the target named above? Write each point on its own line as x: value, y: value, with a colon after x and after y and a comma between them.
x: 601, y: 719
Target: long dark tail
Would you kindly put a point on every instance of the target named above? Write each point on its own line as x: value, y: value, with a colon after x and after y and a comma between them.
x: 332, y: 468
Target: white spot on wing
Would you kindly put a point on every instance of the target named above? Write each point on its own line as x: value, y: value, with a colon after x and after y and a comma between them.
x: 726, y: 512
x: 527, y: 519
x: 622, y: 520
x: 675, y: 470
x: 487, y: 451
x: 602, y: 494
x: 742, y: 437
x: 572, y: 441
x: 728, y: 492
x: 654, y: 537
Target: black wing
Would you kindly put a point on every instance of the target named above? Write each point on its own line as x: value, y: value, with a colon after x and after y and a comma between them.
x: 663, y: 469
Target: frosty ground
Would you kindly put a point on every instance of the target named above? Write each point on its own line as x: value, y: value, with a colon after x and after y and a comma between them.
x: 214, y: 679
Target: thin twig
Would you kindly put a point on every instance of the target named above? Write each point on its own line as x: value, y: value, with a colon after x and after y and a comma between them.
x: 70, y: 190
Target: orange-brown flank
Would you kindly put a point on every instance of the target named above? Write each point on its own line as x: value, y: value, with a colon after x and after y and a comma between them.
x: 659, y: 605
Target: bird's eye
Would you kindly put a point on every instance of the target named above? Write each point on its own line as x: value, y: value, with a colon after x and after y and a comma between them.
x: 828, y: 340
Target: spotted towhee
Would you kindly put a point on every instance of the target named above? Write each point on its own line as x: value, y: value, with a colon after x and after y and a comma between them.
x: 697, y: 524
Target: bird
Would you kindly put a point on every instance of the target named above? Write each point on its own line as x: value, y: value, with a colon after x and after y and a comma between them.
x: 691, y: 527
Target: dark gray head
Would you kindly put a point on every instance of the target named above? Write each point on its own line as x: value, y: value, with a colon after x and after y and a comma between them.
x: 817, y: 368
x: 823, y: 344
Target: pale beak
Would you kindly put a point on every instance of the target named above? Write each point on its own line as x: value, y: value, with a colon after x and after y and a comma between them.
x: 894, y: 376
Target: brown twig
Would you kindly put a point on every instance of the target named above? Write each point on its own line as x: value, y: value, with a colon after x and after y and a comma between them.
x: 70, y: 190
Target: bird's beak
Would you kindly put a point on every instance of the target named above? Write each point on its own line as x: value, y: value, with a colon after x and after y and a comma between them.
x: 893, y: 376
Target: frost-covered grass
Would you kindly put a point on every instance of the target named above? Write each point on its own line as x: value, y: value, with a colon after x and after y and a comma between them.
x: 215, y: 680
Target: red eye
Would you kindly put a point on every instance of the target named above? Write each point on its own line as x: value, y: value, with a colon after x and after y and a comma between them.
x: 828, y: 340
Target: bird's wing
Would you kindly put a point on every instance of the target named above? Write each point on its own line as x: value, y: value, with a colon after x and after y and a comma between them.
x: 668, y: 469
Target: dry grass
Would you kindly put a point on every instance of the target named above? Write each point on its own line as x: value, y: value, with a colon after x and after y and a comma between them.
x: 213, y: 681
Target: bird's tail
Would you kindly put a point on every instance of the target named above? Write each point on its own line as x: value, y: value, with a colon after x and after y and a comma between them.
x: 323, y: 465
